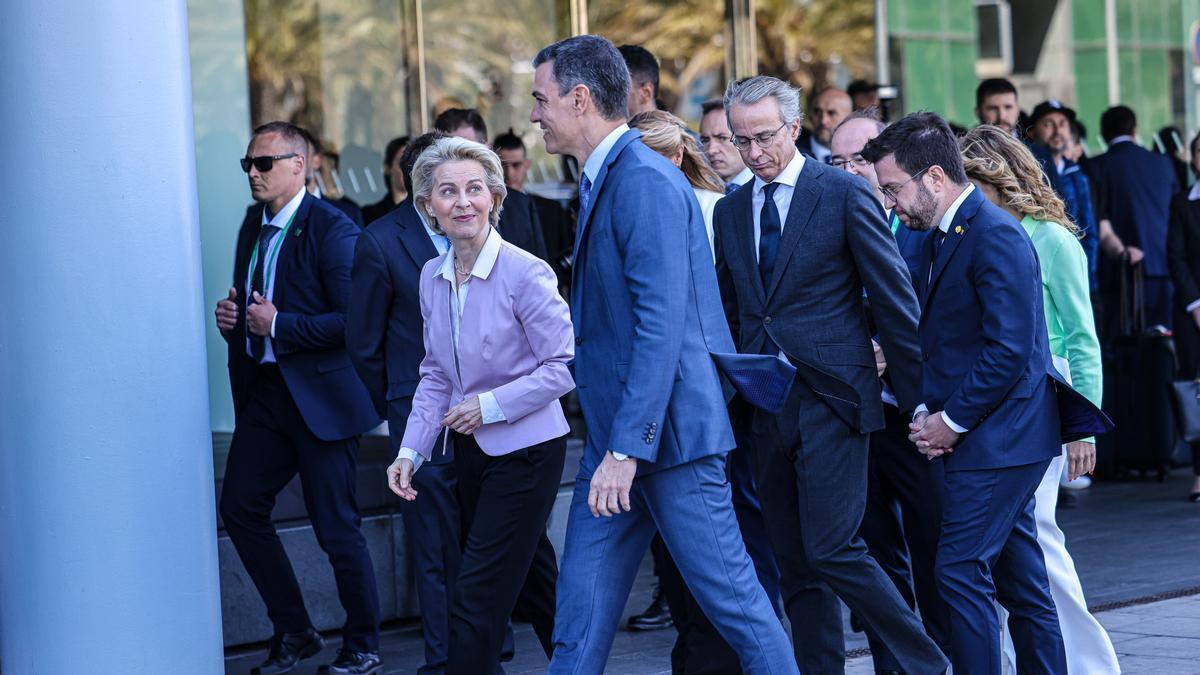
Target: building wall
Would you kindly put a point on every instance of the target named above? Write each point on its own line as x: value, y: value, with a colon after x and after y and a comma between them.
x: 933, y: 56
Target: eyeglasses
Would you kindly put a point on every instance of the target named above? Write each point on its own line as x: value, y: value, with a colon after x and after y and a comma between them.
x: 856, y: 161
x: 890, y: 191
x: 265, y: 162
x: 720, y: 138
x: 763, y: 140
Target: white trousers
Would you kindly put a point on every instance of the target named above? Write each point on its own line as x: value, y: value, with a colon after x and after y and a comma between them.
x: 1089, y: 650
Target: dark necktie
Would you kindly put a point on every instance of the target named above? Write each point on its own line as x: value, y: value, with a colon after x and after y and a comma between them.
x: 585, y: 193
x: 257, y: 343
x: 769, y: 228
x: 938, y: 237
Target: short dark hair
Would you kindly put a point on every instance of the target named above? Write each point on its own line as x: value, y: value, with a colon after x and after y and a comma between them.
x: 1079, y: 130
x: 294, y: 136
x: 413, y: 151
x: 861, y: 87
x: 1118, y: 120
x: 311, y: 140
x: 1193, y: 145
x: 595, y: 63
x: 712, y: 105
x: 508, y: 140
x: 454, y: 118
x: 918, y: 141
x: 991, y: 87
x: 394, y: 147
x: 643, y: 67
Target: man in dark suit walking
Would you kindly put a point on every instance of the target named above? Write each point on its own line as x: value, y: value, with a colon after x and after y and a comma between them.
x: 300, y: 406
x: 519, y: 222
x: 988, y: 401
x: 803, y: 302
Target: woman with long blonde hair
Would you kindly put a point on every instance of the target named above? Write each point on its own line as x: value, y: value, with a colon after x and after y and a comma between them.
x: 670, y: 137
x: 1006, y: 172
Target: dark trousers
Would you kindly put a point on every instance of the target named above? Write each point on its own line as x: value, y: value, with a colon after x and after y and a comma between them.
x: 271, y: 444
x: 699, y: 648
x: 812, y: 480
x: 505, y: 502
x: 989, y: 551
x: 901, y: 525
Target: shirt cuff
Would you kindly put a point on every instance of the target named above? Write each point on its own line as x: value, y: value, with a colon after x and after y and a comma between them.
x: 273, y: 317
x: 411, y: 455
x: 950, y: 423
x: 619, y: 456
x: 489, y: 408
x: 1193, y: 305
x: 920, y: 409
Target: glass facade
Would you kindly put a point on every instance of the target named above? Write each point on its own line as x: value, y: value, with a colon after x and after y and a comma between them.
x: 360, y: 72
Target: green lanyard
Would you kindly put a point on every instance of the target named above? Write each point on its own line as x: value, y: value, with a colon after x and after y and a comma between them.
x: 894, y: 223
x: 272, y: 256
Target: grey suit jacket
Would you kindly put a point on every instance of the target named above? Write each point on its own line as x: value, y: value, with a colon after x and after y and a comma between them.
x: 835, y: 243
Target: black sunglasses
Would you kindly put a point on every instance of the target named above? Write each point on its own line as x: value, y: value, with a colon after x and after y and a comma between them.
x: 264, y: 163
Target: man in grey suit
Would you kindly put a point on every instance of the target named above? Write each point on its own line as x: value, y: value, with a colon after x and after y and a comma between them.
x: 795, y: 249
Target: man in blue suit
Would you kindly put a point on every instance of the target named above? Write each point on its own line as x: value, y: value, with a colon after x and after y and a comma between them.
x: 989, y: 406
x: 299, y: 405
x: 647, y: 315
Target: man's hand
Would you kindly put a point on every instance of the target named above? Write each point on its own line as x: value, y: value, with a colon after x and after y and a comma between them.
x: 227, y: 312
x: 1134, y: 255
x: 609, y: 494
x: 260, y: 315
x: 880, y: 359
x: 1081, y: 459
x: 931, y: 435
x: 400, y: 475
x: 465, y: 417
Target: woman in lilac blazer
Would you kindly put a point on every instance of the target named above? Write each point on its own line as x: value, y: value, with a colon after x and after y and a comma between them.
x: 498, y: 338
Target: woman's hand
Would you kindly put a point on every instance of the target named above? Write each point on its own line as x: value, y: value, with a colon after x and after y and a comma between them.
x: 400, y: 475
x: 1081, y: 459
x: 465, y: 417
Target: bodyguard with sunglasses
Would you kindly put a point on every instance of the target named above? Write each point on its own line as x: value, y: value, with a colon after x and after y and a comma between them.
x: 795, y: 249
x: 299, y: 404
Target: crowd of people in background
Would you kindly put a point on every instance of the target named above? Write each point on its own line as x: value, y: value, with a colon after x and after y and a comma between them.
x: 936, y: 310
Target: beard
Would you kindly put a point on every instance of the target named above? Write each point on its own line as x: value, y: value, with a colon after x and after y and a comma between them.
x: 923, y: 211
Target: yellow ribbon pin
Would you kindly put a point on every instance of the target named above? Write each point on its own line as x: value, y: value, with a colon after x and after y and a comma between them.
x: 958, y: 229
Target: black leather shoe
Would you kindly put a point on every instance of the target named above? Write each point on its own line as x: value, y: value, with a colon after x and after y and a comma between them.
x: 656, y: 617
x: 289, y: 649
x: 350, y: 662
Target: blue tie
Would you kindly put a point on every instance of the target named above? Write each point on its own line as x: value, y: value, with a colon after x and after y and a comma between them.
x: 585, y: 193
x: 769, y: 230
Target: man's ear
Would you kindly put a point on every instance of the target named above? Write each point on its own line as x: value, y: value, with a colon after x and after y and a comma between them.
x: 581, y: 95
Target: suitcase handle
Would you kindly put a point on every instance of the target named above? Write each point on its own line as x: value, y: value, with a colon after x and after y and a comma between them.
x: 1133, y: 312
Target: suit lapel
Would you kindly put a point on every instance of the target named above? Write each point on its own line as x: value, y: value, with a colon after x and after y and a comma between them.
x: 959, y: 227
x: 413, y: 237
x: 585, y: 216
x: 804, y: 202
x: 287, y: 249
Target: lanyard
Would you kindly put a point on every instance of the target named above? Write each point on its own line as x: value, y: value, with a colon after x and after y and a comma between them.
x: 272, y: 255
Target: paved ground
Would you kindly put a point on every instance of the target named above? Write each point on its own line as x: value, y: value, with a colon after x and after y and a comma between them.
x: 1133, y: 542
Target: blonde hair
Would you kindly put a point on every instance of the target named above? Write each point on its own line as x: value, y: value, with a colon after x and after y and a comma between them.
x: 665, y: 134
x: 454, y: 149
x: 991, y: 155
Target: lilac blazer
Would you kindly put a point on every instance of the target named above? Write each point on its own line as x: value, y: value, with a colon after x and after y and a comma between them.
x: 515, y: 340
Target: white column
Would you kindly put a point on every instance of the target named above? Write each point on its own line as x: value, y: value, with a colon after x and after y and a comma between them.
x: 107, y: 526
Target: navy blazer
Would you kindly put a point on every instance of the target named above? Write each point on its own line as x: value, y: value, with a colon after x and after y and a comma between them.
x: 835, y: 244
x: 346, y: 206
x: 1136, y: 187
x: 983, y: 339
x: 647, y: 316
x: 519, y: 224
x: 383, y: 323
x: 312, y: 290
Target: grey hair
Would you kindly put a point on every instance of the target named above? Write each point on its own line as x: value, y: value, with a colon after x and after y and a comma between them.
x: 595, y: 63
x: 454, y: 149
x: 751, y: 90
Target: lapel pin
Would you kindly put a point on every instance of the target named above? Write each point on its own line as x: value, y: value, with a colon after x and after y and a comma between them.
x: 958, y: 229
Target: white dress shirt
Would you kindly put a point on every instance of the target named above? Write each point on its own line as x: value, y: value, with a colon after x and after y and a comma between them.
x: 595, y: 161
x: 744, y: 176
x: 783, y: 196
x: 944, y: 226
x: 708, y: 205
x: 489, y: 407
x: 280, y: 220
x: 820, y: 152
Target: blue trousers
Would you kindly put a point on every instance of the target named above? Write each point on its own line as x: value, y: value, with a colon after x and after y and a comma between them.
x: 690, y: 505
x: 988, y: 550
